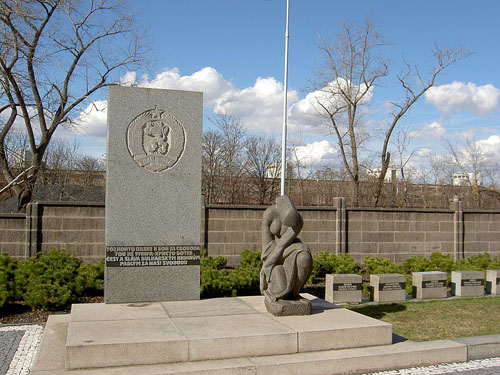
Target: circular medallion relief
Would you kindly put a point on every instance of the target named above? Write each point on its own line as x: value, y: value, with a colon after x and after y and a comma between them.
x: 156, y: 140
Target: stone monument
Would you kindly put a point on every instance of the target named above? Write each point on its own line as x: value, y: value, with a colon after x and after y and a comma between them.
x: 153, y: 193
x: 467, y: 283
x: 429, y: 285
x: 343, y: 288
x: 387, y: 287
x: 287, y: 262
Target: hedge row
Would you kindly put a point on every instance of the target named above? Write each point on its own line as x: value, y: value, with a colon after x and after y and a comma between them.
x: 55, y: 280
x: 49, y: 282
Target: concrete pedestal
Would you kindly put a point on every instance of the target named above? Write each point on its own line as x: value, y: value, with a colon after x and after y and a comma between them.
x: 493, y: 282
x: 226, y: 336
x: 343, y: 288
x: 429, y: 285
x: 467, y: 283
x: 387, y: 287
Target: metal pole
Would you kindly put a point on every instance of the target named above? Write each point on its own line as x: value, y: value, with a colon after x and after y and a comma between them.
x: 285, y: 106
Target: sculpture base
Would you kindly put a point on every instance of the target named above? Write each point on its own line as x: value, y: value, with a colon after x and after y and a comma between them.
x: 282, y: 307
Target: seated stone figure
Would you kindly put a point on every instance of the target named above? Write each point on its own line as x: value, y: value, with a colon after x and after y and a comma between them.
x: 287, y: 262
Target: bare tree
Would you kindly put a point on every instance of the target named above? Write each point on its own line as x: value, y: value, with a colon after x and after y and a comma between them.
x: 264, y: 167
x: 233, y: 158
x: 54, y: 54
x: 353, y: 67
x: 468, y: 160
x: 212, y: 161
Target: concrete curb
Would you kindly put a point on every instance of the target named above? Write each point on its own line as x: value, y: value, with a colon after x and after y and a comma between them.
x: 481, y: 346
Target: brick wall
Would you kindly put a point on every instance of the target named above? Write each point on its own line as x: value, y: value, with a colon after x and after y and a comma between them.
x: 13, y: 235
x: 232, y: 229
x: 80, y: 227
x: 228, y: 230
x: 398, y: 234
x: 481, y: 233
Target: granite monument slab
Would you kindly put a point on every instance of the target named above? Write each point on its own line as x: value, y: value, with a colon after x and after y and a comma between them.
x: 429, y: 285
x: 343, y: 288
x: 387, y: 287
x: 493, y: 282
x: 467, y: 283
x: 153, y: 194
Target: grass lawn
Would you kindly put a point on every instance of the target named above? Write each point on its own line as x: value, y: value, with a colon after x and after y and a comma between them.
x: 440, y: 319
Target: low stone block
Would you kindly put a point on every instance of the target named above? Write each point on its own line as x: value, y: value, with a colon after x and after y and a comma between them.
x: 467, y: 283
x: 341, y: 288
x: 429, y: 285
x: 493, y: 282
x: 388, y: 287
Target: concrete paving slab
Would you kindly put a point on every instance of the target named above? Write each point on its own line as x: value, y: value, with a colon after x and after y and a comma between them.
x: 52, y: 352
x: 124, y: 342
x: 231, y: 336
x: 481, y: 346
x: 208, y: 307
x: 101, y: 311
x: 236, y: 366
x: 359, y: 360
x: 337, y: 329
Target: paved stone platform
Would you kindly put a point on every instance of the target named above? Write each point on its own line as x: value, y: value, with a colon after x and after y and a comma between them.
x: 226, y: 336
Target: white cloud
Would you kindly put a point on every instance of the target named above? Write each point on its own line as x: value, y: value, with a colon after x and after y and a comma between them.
x: 461, y: 96
x: 92, y: 121
x: 208, y: 80
x: 260, y: 106
x: 490, y: 146
x: 432, y: 130
x: 315, y: 153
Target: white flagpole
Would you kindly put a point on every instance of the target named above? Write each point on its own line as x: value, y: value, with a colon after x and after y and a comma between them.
x: 285, y: 106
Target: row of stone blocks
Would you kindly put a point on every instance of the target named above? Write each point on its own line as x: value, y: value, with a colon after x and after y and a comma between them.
x: 347, y: 288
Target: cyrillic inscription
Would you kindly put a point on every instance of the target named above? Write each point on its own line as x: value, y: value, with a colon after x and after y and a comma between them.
x: 385, y: 287
x: 434, y: 284
x: 347, y: 287
x: 147, y: 256
x: 472, y: 282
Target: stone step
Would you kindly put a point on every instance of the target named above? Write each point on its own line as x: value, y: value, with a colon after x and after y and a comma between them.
x: 50, y: 359
x: 106, y: 335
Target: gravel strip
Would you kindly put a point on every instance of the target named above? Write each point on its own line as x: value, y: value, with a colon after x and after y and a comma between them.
x: 489, y: 366
x: 27, y: 346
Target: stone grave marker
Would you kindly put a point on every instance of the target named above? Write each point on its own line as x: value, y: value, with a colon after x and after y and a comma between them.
x: 493, y: 282
x: 153, y: 193
x: 387, y: 287
x: 467, y: 283
x: 342, y: 288
x: 429, y: 285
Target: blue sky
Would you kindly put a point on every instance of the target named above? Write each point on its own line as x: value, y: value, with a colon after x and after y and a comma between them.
x: 233, y: 50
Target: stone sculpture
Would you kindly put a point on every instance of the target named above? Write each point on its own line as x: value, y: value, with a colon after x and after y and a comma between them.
x: 287, y: 262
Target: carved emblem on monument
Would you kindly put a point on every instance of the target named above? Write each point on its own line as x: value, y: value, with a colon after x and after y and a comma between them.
x: 156, y: 140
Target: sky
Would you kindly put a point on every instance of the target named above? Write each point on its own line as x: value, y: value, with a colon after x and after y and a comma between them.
x: 233, y: 51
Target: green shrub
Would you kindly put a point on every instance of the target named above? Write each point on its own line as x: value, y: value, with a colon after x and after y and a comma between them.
x: 4, y: 294
x: 377, y: 265
x: 8, y: 268
x: 441, y: 262
x: 326, y: 263
x: 250, y: 259
x: 51, y: 281
x: 92, y: 277
x: 217, y: 281
x: 416, y: 264
x: 217, y: 263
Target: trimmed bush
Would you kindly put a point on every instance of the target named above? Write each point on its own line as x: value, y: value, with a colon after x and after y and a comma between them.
x: 8, y: 268
x: 377, y: 265
x: 92, y: 277
x: 50, y: 282
x: 326, y: 263
x: 218, y: 281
